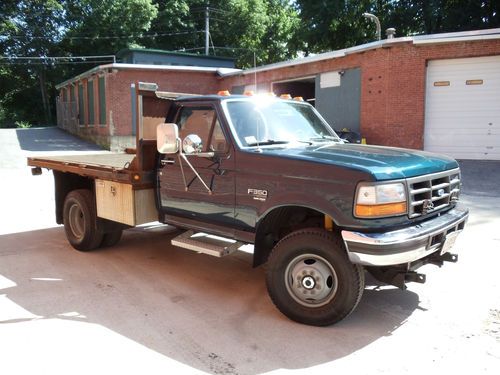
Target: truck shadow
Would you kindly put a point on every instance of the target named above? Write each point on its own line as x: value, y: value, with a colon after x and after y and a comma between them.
x: 52, y: 139
x: 210, y: 314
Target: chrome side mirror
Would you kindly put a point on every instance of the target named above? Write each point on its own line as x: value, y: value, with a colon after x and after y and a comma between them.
x: 192, y: 144
x: 167, y: 138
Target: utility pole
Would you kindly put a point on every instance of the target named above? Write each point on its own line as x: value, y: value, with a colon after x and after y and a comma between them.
x: 207, y: 29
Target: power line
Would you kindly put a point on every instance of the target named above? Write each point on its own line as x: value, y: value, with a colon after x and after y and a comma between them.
x: 140, y: 35
x: 55, y: 62
x: 56, y: 57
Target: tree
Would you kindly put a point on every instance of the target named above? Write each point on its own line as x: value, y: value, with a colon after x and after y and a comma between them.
x: 336, y: 24
x: 238, y: 28
x: 32, y: 30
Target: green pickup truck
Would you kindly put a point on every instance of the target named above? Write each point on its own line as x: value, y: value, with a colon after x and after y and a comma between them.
x: 231, y: 170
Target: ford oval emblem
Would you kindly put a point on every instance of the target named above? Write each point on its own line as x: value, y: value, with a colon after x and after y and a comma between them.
x: 440, y: 192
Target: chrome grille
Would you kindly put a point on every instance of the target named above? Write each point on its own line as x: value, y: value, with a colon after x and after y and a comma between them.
x: 432, y: 192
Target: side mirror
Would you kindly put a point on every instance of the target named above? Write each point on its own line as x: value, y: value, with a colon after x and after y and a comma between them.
x: 166, y: 138
x: 192, y: 144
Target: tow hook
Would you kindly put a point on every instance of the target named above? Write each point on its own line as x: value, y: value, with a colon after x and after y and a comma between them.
x: 449, y: 257
x: 415, y: 277
x: 438, y: 260
x: 396, y: 276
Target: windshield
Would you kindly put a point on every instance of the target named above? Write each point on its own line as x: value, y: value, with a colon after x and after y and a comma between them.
x: 267, y: 122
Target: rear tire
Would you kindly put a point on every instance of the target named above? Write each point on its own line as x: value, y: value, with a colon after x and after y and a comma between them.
x: 112, y: 238
x: 311, y: 280
x: 80, y: 219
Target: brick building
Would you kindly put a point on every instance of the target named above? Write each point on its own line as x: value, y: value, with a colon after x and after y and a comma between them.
x: 435, y: 92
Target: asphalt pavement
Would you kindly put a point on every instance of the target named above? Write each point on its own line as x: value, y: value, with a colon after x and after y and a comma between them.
x: 146, y: 307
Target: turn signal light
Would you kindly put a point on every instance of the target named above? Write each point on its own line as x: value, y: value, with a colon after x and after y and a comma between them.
x: 387, y: 209
x: 223, y: 93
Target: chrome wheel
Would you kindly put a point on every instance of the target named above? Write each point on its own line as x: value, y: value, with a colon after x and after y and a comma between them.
x: 311, y: 280
x: 76, y: 221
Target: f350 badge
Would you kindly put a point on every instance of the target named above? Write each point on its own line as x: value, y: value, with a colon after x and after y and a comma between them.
x: 258, y: 195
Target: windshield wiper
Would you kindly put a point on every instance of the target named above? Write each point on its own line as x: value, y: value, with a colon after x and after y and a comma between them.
x: 267, y: 143
x: 325, y: 137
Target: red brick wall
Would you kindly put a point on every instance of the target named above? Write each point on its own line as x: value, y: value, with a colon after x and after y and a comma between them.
x: 392, y: 88
x: 118, y: 100
x: 392, y: 85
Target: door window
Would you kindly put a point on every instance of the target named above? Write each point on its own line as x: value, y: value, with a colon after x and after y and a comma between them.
x: 203, y: 122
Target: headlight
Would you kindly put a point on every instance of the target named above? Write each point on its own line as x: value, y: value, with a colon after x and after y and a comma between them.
x: 380, y: 200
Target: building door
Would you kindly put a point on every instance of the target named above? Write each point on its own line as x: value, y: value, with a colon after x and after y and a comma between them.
x: 338, y: 98
x: 462, y: 109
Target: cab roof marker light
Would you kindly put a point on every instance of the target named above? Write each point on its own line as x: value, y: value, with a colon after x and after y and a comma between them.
x: 298, y: 98
x: 286, y: 96
x: 249, y: 93
x: 223, y: 93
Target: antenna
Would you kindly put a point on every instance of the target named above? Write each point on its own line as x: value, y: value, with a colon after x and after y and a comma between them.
x: 255, y: 71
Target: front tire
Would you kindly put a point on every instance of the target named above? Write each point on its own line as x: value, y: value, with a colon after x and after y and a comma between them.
x: 80, y: 219
x: 310, y: 279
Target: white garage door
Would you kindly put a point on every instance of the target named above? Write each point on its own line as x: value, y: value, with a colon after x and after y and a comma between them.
x: 462, y: 109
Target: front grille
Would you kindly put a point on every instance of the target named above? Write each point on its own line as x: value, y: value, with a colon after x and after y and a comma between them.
x: 432, y: 192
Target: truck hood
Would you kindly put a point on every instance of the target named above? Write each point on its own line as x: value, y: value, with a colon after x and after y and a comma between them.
x: 383, y: 163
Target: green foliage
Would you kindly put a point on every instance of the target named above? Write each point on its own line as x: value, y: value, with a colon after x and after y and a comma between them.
x: 335, y: 24
x: 273, y: 30
x: 23, y: 124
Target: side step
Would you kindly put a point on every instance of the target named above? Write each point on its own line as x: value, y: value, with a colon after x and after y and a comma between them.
x: 206, y: 243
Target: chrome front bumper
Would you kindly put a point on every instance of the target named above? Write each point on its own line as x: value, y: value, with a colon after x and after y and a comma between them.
x: 404, y: 245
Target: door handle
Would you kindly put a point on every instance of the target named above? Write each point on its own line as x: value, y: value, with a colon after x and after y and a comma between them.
x: 167, y: 161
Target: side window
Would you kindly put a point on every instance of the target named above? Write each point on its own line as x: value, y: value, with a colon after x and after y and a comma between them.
x: 218, y: 142
x: 203, y: 122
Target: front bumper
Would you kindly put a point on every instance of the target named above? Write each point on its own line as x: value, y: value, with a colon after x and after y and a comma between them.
x: 404, y: 245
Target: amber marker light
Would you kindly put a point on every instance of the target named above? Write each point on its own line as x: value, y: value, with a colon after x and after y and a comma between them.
x: 286, y: 96
x: 223, y: 93
x: 380, y: 210
x: 298, y: 98
x: 136, y: 177
x: 249, y: 93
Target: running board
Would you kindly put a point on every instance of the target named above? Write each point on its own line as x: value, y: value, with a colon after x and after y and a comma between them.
x: 206, y: 243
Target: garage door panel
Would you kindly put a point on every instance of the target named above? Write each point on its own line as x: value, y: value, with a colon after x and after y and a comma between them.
x: 463, y: 120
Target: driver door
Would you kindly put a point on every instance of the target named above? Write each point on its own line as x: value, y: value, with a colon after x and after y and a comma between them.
x: 182, y: 194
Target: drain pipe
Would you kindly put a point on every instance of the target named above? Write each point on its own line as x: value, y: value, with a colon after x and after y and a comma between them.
x: 374, y: 18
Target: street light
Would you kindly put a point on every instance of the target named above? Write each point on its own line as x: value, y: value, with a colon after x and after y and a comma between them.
x: 374, y: 18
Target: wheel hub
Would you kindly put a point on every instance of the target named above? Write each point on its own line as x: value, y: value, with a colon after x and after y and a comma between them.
x: 311, y: 280
x: 308, y: 282
x: 76, y: 221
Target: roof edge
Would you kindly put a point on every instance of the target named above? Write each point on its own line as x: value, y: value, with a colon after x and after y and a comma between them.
x: 461, y: 36
x: 119, y: 66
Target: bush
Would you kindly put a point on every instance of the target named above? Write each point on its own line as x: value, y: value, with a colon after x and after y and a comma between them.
x: 23, y: 124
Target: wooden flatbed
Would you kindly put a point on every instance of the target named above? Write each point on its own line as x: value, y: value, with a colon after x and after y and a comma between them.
x: 119, y: 167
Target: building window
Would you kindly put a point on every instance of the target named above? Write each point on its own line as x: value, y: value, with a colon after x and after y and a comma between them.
x: 90, y: 101
x: 102, y: 102
x: 81, y: 105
